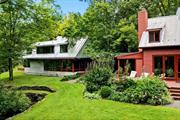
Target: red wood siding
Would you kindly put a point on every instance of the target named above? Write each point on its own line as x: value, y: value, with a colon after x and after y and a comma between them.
x: 149, y: 53
x: 139, y: 66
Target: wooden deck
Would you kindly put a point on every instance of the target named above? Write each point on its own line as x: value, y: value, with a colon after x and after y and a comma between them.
x: 174, y: 89
x: 172, y: 84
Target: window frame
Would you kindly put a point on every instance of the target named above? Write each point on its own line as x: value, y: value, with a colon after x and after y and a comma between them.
x: 43, y: 47
x: 164, y: 64
x: 61, y: 49
x: 154, y: 35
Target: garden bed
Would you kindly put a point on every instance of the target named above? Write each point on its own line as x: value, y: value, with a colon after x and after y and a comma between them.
x: 34, y: 97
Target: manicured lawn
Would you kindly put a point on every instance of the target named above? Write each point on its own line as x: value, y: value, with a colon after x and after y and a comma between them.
x: 67, y: 103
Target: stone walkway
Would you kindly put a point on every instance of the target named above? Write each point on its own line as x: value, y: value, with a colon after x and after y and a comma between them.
x: 175, y: 104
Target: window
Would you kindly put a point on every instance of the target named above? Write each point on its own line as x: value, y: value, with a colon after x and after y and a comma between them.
x: 164, y: 64
x: 63, y: 48
x: 52, y: 65
x: 169, y: 66
x: 45, y: 49
x: 154, y: 36
x: 158, y: 65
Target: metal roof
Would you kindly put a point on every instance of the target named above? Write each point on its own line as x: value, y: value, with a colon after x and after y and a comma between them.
x: 169, y: 35
x: 72, y: 52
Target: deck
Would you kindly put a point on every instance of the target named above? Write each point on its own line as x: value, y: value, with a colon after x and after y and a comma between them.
x: 174, y: 89
x: 172, y: 84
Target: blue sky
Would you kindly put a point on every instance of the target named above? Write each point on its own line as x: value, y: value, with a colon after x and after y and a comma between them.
x: 72, y: 6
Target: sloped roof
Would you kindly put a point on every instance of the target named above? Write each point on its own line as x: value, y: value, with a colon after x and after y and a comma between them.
x: 59, y: 40
x: 169, y: 35
x: 132, y: 55
x: 72, y: 52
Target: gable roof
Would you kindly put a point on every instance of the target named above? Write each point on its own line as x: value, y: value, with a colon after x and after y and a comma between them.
x: 72, y: 52
x: 169, y: 35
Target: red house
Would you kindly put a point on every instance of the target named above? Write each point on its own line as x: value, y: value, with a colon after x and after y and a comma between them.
x: 159, y: 47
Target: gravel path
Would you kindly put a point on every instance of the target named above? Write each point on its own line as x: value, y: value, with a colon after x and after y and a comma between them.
x: 175, y: 104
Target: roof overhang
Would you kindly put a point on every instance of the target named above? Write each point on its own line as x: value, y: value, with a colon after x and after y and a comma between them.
x: 135, y: 55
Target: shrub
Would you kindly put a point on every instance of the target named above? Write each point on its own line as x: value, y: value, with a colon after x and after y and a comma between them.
x: 97, y: 77
x: 91, y: 87
x: 115, y: 96
x: 105, y: 91
x: 124, y: 84
x: 150, y: 90
x: 12, y: 102
x: 91, y: 95
x: 70, y: 77
x: 65, y: 78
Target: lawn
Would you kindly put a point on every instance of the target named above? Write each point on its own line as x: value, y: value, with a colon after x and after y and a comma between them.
x: 67, y: 103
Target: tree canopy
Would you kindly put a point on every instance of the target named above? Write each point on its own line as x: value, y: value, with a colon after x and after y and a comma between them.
x: 24, y: 22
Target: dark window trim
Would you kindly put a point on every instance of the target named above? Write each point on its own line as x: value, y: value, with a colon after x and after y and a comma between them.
x: 66, y: 51
x: 154, y: 35
x: 43, y: 47
x: 163, y: 64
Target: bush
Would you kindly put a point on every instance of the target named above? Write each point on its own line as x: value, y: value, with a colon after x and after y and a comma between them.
x: 91, y: 87
x: 115, y: 96
x: 91, y: 95
x: 97, y: 77
x: 124, y: 84
x: 12, y: 102
x: 70, y: 77
x: 150, y: 90
x: 105, y: 92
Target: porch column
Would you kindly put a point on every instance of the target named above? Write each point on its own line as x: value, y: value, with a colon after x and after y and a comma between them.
x: 118, y: 72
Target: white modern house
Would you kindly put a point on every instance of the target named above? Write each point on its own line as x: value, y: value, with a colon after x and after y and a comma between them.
x: 56, y: 58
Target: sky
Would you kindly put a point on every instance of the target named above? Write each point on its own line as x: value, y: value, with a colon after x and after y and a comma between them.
x: 72, y: 6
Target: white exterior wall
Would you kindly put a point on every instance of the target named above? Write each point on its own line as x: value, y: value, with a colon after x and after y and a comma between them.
x: 36, y: 67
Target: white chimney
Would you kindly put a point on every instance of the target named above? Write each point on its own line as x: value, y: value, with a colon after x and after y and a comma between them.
x: 178, y: 13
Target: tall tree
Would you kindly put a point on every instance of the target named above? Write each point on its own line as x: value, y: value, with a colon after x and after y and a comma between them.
x: 21, y: 22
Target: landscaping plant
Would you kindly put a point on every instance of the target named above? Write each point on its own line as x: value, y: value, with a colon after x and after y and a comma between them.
x: 99, y: 75
x: 148, y: 90
x: 12, y: 102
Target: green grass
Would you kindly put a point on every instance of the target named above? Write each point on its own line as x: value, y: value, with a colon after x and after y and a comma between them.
x: 67, y: 103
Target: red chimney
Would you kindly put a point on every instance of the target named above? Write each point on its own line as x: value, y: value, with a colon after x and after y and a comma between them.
x: 142, y: 22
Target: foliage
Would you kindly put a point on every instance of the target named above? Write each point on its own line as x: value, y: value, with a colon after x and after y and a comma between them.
x: 24, y: 22
x: 170, y: 72
x: 115, y: 96
x: 68, y: 102
x: 70, y: 77
x: 122, y: 85
x: 91, y: 95
x: 12, y: 102
x: 98, y: 75
x: 105, y: 91
x: 157, y: 71
x: 149, y: 90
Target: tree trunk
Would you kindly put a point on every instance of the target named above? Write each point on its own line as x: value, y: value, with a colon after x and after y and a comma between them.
x: 10, y: 68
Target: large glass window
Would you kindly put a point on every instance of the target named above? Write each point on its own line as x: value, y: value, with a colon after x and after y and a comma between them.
x: 45, y: 49
x: 158, y: 65
x: 169, y: 66
x: 52, y: 65
x: 164, y: 64
x: 63, y: 48
x: 154, y: 36
x: 57, y: 65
